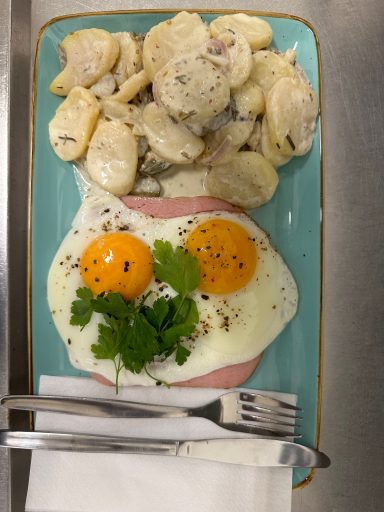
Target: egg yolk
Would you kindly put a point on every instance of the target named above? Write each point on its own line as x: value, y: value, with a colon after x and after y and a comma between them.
x: 117, y: 262
x: 226, y: 253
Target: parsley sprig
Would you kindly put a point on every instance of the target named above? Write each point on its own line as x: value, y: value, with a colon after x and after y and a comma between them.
x: 134, y: 334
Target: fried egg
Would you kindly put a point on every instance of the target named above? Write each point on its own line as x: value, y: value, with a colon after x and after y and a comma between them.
x: 245, y: 298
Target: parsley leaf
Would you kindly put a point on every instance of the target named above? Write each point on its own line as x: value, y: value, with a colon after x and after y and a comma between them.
x: 81, y: 309
x: 107, y: 343
x: 140, y: 345
x: 133, y: 335
x: 158, y: 313
x: 182, y: 354
x: 185, y: 310
x: 113, y: 304
x: 172, y: 335
x: 176, y: 267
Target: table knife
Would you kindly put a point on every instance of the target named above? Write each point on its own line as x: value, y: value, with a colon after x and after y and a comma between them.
x: 251, y: 452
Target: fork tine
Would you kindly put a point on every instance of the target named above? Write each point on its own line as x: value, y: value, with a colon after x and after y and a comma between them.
x: 266, y: 400
x: 260, y: 408
x: 265, y: 419
x: 251, y: 428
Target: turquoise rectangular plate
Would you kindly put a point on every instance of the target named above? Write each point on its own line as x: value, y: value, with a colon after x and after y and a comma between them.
x: 293, y: 219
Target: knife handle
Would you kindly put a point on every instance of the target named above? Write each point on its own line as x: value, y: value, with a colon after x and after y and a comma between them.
x: 36, y: 440
x: 96, y: 407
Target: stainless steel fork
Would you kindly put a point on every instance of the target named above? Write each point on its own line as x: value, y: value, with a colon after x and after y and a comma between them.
x: 237, y: 410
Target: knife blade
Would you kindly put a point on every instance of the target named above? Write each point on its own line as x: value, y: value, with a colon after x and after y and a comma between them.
x: 250, y: 452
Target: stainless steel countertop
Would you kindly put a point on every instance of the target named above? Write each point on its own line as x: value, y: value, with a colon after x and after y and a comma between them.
x: 351, y: 35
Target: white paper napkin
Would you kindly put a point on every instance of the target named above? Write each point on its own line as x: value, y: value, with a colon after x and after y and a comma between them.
x: 85, y: 482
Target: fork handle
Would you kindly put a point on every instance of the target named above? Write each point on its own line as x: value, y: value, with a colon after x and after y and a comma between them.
x: 97, y: 407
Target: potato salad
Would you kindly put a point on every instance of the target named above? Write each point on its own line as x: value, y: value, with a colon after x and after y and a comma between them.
x: 212, y: 107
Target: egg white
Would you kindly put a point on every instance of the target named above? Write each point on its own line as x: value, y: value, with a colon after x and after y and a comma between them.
x: 233, y: 328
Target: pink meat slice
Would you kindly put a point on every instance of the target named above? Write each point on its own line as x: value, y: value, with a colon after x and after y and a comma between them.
x: 227, y: 377
x: 163, y: 208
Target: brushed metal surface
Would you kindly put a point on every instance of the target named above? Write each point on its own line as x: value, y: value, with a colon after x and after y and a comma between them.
x: 14, y: 207
x: 351, y: 37
x: 4, y: 130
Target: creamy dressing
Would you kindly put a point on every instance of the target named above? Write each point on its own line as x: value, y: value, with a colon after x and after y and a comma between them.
x: 183, y: 180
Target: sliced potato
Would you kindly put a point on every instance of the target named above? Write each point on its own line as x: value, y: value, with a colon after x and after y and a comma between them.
x: 221, y: 145
x: 113, y: 110
x: 112, y: 157
x: 131, y: 87
x: 105, y: 86
x: 292, y: 108
x: 218, y: 149
x: 254, y: 140
x: 257, y: 32
x: 130, y: 58
x: 240, y: 57
x: 249, y: 100
x: 220, y: 119
x: 270, y: 150
x: 176, y: 36
x: 191, y: 88
x: 171, y: 141
x: 248, y: 180
x: 73, y: 124
x: 128, y: 113
x: 268, y: 67
x: 90, y: 54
